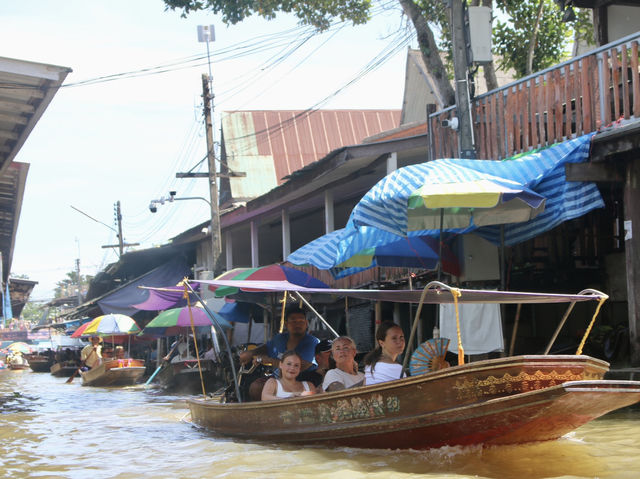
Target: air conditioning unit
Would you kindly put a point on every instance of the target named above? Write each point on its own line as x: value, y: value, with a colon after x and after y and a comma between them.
x: 479, y: 259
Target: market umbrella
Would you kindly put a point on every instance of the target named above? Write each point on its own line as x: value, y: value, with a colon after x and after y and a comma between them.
x: 19, y: 347
x: 79, y: 332
x: 175, y: 321
x: 536, y: 181
x: 112, y: 325
x: 412, y: 251
x: 273, y: 272
x: 462, y: 204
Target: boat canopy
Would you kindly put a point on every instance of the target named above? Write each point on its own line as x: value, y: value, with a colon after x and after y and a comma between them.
x: 432, y: 296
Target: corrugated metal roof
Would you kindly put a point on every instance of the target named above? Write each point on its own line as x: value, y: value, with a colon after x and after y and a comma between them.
x: 270, y: 145
x: 26, y: 89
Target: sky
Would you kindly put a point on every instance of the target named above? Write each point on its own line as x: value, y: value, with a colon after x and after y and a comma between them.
x: 124, y: 139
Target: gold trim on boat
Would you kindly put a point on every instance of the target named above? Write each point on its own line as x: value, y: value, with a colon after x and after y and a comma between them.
x: 344, y: 410
x: 476, y: 388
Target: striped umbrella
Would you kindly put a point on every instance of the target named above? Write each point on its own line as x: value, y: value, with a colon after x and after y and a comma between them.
x: 175, y: 321
x: 111, y: 325
x: 19, y: 347
x: 272, y: 272
x: 414, y: 251
x: 396, y: 204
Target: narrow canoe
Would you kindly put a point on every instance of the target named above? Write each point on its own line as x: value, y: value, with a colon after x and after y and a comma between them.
x: 114, y: 372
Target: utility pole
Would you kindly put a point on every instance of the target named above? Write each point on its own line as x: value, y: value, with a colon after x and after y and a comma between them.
x: 461, y: 72
x: 216, y: 247
x: 206, y: 34
x: 79, y: 282
x: 119, y: 221
x: 121, y: 244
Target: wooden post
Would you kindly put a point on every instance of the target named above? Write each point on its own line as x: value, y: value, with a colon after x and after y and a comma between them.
x: 378, y: 313
x: 632, y: 254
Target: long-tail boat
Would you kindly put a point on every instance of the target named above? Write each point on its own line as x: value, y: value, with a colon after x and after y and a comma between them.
x: 184, y: 375
x: 17, y: 362
x: 63, y: 369
x: 114, y: 372
x: 40, y: 363
x: 508, y: 400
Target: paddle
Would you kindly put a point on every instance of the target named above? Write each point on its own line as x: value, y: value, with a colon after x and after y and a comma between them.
x: 68, y: 381
x: 153, y: 375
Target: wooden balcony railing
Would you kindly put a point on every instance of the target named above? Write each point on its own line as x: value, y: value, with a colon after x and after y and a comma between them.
x: 571, y: 99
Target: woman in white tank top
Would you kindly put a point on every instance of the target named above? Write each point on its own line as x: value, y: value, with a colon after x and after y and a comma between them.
x: 287, y: 386
x: 381, y: 364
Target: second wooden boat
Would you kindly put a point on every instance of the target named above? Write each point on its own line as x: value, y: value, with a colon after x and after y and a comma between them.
x: 114, y: 372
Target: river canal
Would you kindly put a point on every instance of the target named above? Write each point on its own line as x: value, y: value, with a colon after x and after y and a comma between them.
x: 50, y: 429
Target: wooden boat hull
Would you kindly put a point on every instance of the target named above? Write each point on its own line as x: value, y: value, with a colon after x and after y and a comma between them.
x: 16, y: 367
x: 40, y: 364
x: 114, y: 373
x: 501, y: 401
x: 63, y: 370
x: 185, y: 376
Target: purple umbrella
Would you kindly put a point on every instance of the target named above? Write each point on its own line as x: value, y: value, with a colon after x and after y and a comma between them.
x: 175, y: 321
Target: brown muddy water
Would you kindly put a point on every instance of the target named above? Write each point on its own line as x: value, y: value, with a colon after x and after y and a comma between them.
x: 49, y: 429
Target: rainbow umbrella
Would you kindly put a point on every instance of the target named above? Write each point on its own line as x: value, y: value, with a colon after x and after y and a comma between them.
x: 79, y: 332
x: 175, y: 321
x: 111, y: 325
x: 19, y: 347
x: 273, y: 272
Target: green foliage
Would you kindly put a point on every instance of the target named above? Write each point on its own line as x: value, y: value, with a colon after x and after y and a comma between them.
x: 317, y: 13
x: 511, y: 38
x: 32, y: 311
x: 68, y: 286
x: 512, y: 33
x: 583, y: 26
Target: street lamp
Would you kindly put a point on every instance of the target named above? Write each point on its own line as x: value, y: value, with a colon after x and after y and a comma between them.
x: 153, y: 205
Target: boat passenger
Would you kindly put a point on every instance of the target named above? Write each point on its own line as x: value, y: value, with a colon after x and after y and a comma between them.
x: 119, y: 352
x: 287, y: 386
x: 296, y: 338
x: 210, y: 353
x: 380, y: 364
x: 91, y: 355
x: 324, y: 361
x: 346, y: 374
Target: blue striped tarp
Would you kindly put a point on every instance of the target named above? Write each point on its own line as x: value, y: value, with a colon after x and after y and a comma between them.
x: 380, y: 217
x: 384, y: 207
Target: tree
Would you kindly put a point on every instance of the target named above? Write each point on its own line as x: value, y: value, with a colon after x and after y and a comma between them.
x: 528, y: 46
x: 70, y: 285
x: 33, y: 311
x: 522, y: 27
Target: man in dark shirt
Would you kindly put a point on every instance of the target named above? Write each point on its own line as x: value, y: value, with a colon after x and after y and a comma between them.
x: 324, y: 360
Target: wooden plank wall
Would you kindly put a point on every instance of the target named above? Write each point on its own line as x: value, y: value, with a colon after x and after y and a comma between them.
x: 576, y: 98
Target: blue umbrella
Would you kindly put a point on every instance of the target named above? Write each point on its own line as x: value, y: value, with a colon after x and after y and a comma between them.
x: 340, y: 252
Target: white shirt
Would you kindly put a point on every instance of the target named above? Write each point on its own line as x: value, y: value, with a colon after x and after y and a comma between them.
x: 382, y: 372
x: 282, y: 394
x: 342, y: 377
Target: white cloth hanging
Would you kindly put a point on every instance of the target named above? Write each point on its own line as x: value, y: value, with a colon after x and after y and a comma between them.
x: 480, y: 327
